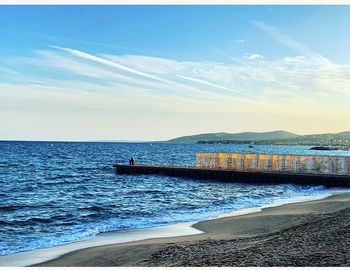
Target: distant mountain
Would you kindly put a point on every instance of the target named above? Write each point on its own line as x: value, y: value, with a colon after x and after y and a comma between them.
x: 244, y: 136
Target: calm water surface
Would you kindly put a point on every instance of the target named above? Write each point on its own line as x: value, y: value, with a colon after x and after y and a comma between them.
x: 56, y: 193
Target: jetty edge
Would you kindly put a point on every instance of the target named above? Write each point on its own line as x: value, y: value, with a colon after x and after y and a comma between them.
x: 227, y: 175
x: 331, y: 171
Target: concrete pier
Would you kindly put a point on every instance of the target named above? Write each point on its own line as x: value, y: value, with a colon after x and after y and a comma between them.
x: 229, y: 175
x: 248, y: 162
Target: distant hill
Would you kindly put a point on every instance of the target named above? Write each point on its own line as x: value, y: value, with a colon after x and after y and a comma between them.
x: 244, y: 136
x: 278, y: 137
x: 341, y: 138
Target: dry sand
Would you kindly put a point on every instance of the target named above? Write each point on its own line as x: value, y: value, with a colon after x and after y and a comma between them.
x: 314, y: 233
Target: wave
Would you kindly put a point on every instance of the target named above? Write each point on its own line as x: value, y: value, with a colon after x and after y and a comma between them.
x: 12, y: 208
x: 68, y: 192
x: 78, y: 232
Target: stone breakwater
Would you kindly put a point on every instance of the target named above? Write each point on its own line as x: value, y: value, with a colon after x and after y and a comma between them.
x: 310, y: 164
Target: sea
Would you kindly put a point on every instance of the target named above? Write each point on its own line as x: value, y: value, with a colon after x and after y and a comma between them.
x: 55, y: 193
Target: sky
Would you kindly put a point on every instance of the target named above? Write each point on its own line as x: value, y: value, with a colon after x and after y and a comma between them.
x: 159, y: 72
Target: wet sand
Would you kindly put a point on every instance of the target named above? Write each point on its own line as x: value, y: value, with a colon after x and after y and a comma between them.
x: 314, y: 233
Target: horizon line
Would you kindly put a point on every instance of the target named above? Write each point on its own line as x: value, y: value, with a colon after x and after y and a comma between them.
x: 155, y: 141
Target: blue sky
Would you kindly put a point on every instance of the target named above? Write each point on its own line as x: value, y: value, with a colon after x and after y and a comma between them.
x: 180, y: 32
x: 157, y: 72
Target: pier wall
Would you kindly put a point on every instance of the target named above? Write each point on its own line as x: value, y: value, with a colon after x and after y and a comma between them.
x: 246, y: 162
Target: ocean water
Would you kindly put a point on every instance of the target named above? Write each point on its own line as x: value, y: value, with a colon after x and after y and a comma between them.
x: 53, y: 193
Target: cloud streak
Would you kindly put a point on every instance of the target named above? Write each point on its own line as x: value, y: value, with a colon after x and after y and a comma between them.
x: 133, y: 71
x: 291, y: 42
x: 251, y: 77
x: 283, y: 38
x: 123, y: 89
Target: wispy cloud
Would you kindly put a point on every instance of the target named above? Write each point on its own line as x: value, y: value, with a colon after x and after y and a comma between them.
x: 250, y: 77
x: 142, y: 74
x: 77, y: 85
x: 255, y: 56
x: 208, y: 83
x: 324, y: 75
x: 283, y: 38
x: 104, y: 61
x: 291, y: 42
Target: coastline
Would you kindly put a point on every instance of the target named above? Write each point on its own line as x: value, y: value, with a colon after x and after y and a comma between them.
x: 38, y: 256
x: 234, y: 227
x: 188, y: 231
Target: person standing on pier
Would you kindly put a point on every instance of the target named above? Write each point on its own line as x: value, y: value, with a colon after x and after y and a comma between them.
x: 132, y: 161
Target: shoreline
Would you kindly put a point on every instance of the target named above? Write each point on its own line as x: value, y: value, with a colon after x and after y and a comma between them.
x: 38, y: 256
x: 244, y: 231
x: 173, y: 232
x: 161, y: 235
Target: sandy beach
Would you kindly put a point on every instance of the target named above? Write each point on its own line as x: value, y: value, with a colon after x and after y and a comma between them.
x: 313, y: 233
